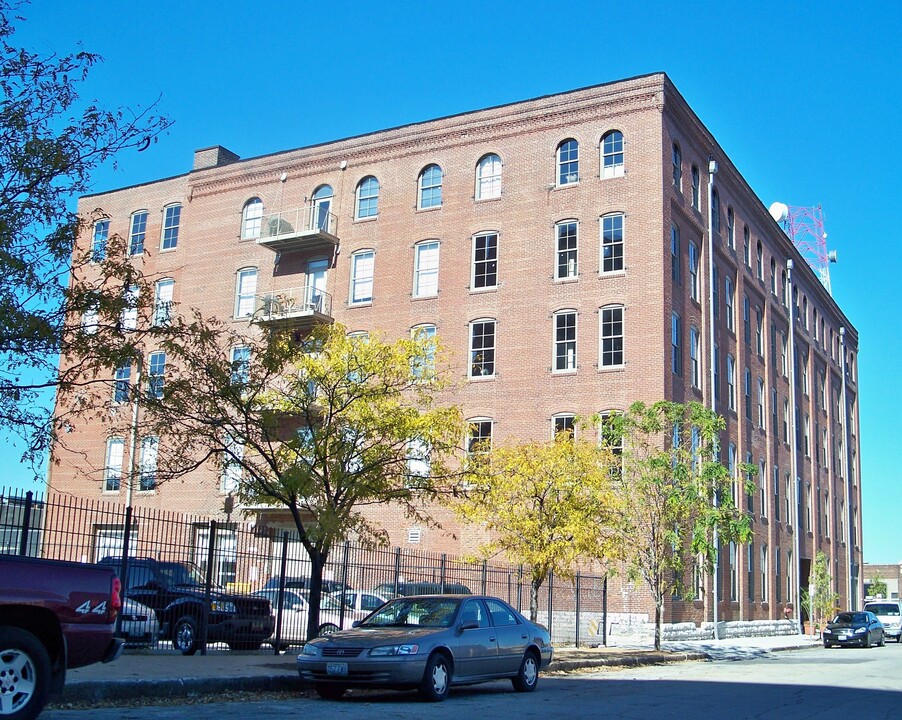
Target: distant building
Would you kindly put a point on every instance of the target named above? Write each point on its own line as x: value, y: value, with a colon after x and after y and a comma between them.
x: 577, y: 252
x: 890, y: 574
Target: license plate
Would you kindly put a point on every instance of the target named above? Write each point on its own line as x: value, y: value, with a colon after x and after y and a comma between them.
x: 843, y: 637
x: 334, y: 668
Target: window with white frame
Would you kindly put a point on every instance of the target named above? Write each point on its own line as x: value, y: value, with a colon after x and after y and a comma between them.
x: 807, y: 436
x: 784, y: 345
x: 809, y: 520
x: 715, y: 292
x: 172, y: 215
x: 759, y: 261
x: 764, y: 587
x: 731, y: 382
x: 362, y: 267
x: 565, y: 341
x: 715, y: 212
x: 803, y: 367
x: 731, y: 228
x: 240, y: 360
x: 696, y: 188
x: 245, y: 292
x: 232, y: 469
x: 485, y: 261
x: 122, y: 383
x: 90, y: 319
x: 418, y: 460
x: 112, y: 472
x: 367, y: 198
x: 734, y: 571
x: 694, y: 359
x: 606, y: 435
x: 773, y: 276
x: 786, y: 420
x: 774, y: 428
x: 750, y: 557
x: 762, y: 487
x: 563, y: 423
x: 566, y: 234
x: 488, y: 177
x: 611, y: 353
x: 734, y: 473
x: 778, y: 575
x: 612, y: 243
x: 479, y: 436
x: 128, y: 320
x: 425, y: 271
x: 675, y: 253
x: 759, y: 332
x: 776, y: 493
x: 746, y: 252
x: 568, y: 162
x: 676, y: 359
x: 694, y: 284
x: 612, y: 154
x: 482, y: 348
x: 729, y: 298
x: 162, y: 301
x: 676, y: 160
x: 430, y: 187
x: 425, y: 366
x: 251, y: 219
x: 716, y: 373
x: 99, y: 241
x: 148, y: 470
x: 746, y: 318
x: 156, y: 374
x: 748, y: 394
x: 137, y: 233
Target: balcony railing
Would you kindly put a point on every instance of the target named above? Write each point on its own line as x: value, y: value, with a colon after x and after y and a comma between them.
x: 311, y: 227
x: 298, y: 308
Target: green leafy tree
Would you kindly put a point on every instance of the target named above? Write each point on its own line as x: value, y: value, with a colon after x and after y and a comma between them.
x: 548, y: 505
x: 322, y: 428
x: 877, y: 587
x: 50, y: 144
x: 823, y: 599
x: 675, y: 494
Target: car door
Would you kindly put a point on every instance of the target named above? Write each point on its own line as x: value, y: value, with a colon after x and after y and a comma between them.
x: 477, y: 646
x: 512, y: 635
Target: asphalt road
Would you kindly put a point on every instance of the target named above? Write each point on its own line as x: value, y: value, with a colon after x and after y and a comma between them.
x: 817, y: 683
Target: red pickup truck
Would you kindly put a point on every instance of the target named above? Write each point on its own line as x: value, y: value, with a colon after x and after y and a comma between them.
x: 54, y: 615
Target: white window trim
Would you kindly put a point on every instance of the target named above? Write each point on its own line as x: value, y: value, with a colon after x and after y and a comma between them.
x: 420, y: 272
x: 572, y: 361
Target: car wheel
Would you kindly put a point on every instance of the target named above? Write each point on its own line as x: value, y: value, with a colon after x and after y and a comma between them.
x: 244, y: 645
x: 437, y: 679
x: 867, y: 640
x: 24, y: 674
x: 827, y: 645
x: 882, y: 640
x: 184, y: 637
x: 329, y: 691
x: 528, y: 675
x: 327, y: 629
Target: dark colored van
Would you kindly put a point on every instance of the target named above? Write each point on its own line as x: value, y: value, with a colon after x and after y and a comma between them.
x: 393, y: 590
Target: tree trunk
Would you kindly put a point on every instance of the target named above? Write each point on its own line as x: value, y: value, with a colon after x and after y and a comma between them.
x: 659, y: 622
x: 317, y: 564
x: 534, y: 586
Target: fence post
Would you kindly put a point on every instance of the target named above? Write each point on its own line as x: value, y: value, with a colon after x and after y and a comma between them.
x: 280, y: 596
x: 397, y: 568
x: 205, y: 616
x: 123, y: 569
x: 484, y: 575
x: 26, y: 524
x: 604, y: 612
x: 442, y: 570
x: 550, y: 599
x: 344, y: 582
x: 520, y: 588
x: 577, y: 607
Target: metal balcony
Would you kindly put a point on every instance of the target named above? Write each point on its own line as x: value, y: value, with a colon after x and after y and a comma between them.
x: 295, y: 308
x: 310, y: 228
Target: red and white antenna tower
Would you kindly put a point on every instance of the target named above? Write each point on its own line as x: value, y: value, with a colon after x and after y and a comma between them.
x: 805, y: 227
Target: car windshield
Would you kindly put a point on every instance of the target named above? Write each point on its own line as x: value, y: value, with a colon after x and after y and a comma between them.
x: 178, y: 574
x: 848, y: 618
x: 883, y: 609
x: 424, y: 612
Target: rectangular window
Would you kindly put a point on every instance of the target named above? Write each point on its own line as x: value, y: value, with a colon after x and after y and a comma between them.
x: 716, y: 374
x: 764, y: 588
x: 694, y: 360
x: 759, y: 332
x: 98, y: 243
x: 122, y: 386
x: 750, y: 498
x: 567, y: 233
x: 485, y: 261
x: 761, y: 406
x: 612, y: 336
x: 128, y: 321
x: 746, y: 319
x: 565, y: 341
x: 751, y: 571
x: 112, y: 473
x: 480, y: 436
x: 694, y: 290
x: 162, y: 302
x: 777, y: 494
x: 240, y: 361
x: 418, y: 460
x: 748, y: 394
x: 245, y: 292
x: 362, y: 267
x: 482, y: 348
x: 156, y: 374
x: 425, y: 274
x: 676, y: 360
x: 762, y: 487
x: 171, y: 218
x: 783, y: 352
x: 563, y: 423
x: 734, y: 570
x: 612, y: 243
x: 715, y: 297
x: 731, y: 382
x: 675, y: 253
x: 232, y: 470
x: 786, y: 420
x: 148, y: 473
x: 729, y: 298
x: 137, y: 233
x: 774, y: 427
x: 778, y: 577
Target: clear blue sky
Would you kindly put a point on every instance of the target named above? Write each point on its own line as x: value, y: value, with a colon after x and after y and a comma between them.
x: 802, y: 96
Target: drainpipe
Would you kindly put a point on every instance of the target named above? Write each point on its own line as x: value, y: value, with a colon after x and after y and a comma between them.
x: 844, y: 468
x: 797, y: 528
x: 712, y: 171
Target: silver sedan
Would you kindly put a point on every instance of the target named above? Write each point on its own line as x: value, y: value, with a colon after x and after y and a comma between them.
x: 429, y: 643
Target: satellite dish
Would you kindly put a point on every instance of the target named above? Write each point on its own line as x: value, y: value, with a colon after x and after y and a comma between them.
x: 779, y: 211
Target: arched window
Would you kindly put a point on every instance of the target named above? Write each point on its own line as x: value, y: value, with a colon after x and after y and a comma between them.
x: 488, y: 177
x: 731, y: 227
x: 251, y: 218
x: 715, y: 212
x: 612, y: 154
x: 322, y: 217
x: 677, y: 160
x: 696, y: 188
x: 479, y: 435
x: 430, y: 183
x: 367, y: 197
x: 568, y: 162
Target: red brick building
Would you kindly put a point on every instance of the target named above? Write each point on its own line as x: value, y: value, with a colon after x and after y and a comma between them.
x: 576, y: 252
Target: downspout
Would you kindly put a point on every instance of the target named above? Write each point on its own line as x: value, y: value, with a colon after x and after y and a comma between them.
x: 712, y: 171
x: 844, y: 468
x: 797, y: 529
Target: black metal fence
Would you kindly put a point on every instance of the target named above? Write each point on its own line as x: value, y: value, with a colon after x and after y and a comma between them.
x: 245, y: 557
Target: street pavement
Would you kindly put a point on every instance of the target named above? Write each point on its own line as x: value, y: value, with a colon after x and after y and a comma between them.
x: 165, y: 674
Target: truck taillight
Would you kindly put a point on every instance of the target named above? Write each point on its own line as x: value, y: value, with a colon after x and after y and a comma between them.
x: 115, y: 599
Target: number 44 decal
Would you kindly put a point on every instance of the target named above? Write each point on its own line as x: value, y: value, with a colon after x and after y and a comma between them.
x: 86, y: 608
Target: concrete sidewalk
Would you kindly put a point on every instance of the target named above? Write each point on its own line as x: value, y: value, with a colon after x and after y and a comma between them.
x: 165, y: 674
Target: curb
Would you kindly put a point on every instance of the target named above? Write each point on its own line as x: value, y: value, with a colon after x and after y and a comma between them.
x: 93, y: 691
x: 628, y: 661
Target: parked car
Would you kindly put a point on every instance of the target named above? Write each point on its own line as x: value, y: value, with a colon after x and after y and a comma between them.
x: 176, y: 592
x: 138, y: 626
x: 361, y: 601
x: 295, y: 609
x: 429, y: 643
x: 888, y: 612
x: 303, y: 583
x: 854, y: 628
x: 54, y: 615
x: 393, y: 590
